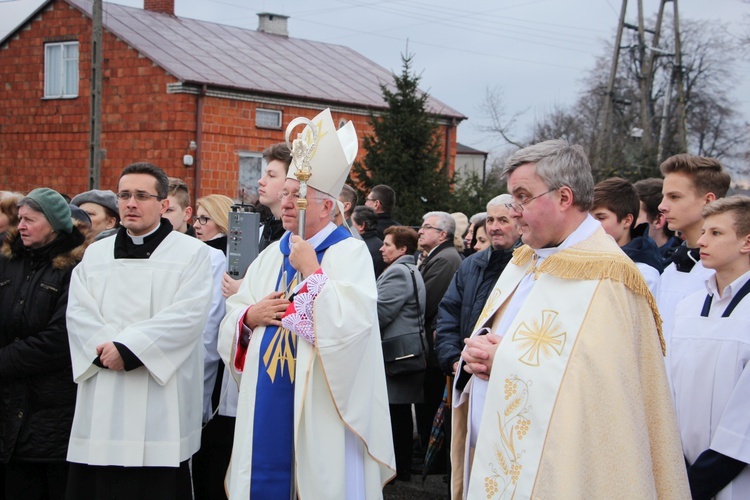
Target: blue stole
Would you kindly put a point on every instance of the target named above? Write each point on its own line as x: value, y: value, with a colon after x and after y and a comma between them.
x: 273, y: 423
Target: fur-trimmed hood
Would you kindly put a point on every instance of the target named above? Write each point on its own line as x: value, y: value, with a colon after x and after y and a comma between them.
x: 66, y: 251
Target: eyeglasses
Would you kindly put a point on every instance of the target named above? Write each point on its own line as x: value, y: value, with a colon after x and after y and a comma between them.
x: 284, y: 194
x: 427, y: 226
x: 138, y: 195
x: 202, y: 219
x: 518, y: 205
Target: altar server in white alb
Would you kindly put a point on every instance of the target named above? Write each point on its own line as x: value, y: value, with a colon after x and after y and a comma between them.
x: 710, y: 360
x: 138, y: 304
x: 312, y: 417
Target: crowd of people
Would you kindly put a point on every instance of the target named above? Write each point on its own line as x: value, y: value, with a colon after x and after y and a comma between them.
x: 580, y: 340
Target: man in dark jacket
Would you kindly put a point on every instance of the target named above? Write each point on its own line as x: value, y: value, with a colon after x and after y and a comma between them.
x: 382, y: 199
x: 437, y: 268
x: 365, y: 221
x: 468, y: 291
x: 37, y: 393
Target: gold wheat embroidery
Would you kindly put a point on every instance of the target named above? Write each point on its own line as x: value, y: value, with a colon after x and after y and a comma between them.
x: 513, y: 424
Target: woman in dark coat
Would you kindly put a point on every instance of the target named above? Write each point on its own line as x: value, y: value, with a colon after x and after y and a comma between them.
x: 398, y: 313
x: 37, y: 392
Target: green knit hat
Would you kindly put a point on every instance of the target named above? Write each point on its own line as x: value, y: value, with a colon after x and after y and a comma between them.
x: 54, y: 207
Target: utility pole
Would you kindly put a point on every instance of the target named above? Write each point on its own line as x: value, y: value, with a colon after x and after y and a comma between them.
x: 643, y: 81
x: 602, y: 144
x: 95, y: 150
x: 679, y: 85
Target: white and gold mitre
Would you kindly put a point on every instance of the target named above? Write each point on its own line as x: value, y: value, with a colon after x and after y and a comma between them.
x: 332, y: 153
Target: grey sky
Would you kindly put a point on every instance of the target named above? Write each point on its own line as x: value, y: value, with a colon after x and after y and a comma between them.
x: 536, y: 51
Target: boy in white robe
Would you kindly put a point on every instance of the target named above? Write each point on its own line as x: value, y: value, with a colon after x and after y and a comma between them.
x: 690, y: 183
x: 709, y: 367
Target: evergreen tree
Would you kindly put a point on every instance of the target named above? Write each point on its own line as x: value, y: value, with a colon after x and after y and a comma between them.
x: 405, y: 151
x: 471, y: 194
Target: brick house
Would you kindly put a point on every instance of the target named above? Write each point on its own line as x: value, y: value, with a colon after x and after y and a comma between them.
x: 172, y: 87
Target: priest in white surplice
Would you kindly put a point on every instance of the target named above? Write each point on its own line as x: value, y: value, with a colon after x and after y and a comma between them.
x: 562, y: 391
x: 312, y: 416
x: 138, y: 304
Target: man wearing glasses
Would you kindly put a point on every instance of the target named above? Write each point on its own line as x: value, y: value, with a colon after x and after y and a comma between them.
x: 302, y: 331
x: 561, y: 391
x: 138, y: 303
x: 437, y: 269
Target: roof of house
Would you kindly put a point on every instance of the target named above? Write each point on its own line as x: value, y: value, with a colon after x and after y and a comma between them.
x: 463, y: 149
x: 200, y: 52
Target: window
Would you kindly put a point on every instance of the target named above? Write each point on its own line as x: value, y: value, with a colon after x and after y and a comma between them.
x: 61, y: 69
x: 250, y: 172
x: 268, y: 118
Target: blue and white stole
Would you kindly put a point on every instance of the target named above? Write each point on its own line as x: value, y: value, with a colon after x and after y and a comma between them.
x: 273, y: 439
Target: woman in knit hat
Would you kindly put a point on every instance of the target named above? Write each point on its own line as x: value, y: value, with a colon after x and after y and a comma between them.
x: 37, y: 392
x: 101, y: 206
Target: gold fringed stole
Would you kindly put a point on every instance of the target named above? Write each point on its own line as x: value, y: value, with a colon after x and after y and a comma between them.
x: 593, y: 259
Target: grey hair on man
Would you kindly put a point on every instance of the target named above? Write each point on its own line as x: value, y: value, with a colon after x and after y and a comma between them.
x: 558, y: 164
x: 446, y: 222
x: 499, y: 201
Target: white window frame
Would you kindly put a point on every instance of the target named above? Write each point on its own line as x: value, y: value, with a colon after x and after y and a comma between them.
x: 250, y: 169
x: 268, y: 112
x: 64, y: 93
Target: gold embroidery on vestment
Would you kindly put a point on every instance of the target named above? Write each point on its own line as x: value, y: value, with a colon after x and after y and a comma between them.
x: 282, y: 349
x: 513, y: 426
x: 540, y: 338
x: 489, y: 308
x: 593, y: 260
x: 280, y: 354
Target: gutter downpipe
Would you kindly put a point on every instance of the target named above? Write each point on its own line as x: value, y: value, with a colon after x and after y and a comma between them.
x: 199, y: 140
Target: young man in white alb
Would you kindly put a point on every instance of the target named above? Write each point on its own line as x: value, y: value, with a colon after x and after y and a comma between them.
x: 709, y: 366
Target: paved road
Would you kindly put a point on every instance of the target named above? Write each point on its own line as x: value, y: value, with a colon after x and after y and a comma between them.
x: 433, y: 489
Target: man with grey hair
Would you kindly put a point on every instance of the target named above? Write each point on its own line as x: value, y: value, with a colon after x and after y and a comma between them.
x: 561, y: 391
x: 437, y: 269
x: 471, y: 285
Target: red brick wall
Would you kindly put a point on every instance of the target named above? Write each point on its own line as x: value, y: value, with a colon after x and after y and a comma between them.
x: 46, y: 142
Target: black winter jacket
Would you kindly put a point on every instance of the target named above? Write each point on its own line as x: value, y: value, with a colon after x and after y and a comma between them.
x: 37, y: 392
x: 464, y: 300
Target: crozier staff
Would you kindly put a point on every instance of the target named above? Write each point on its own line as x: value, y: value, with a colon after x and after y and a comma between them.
x: 311, y: 370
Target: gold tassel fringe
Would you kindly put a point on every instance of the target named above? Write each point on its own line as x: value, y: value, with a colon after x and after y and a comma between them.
x: 582, y: 263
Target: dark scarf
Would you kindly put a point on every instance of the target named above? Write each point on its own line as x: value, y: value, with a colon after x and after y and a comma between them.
x: 126, y: 249
x: 219, y: 243
x: 685, y: 258
x: 273, y: 230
